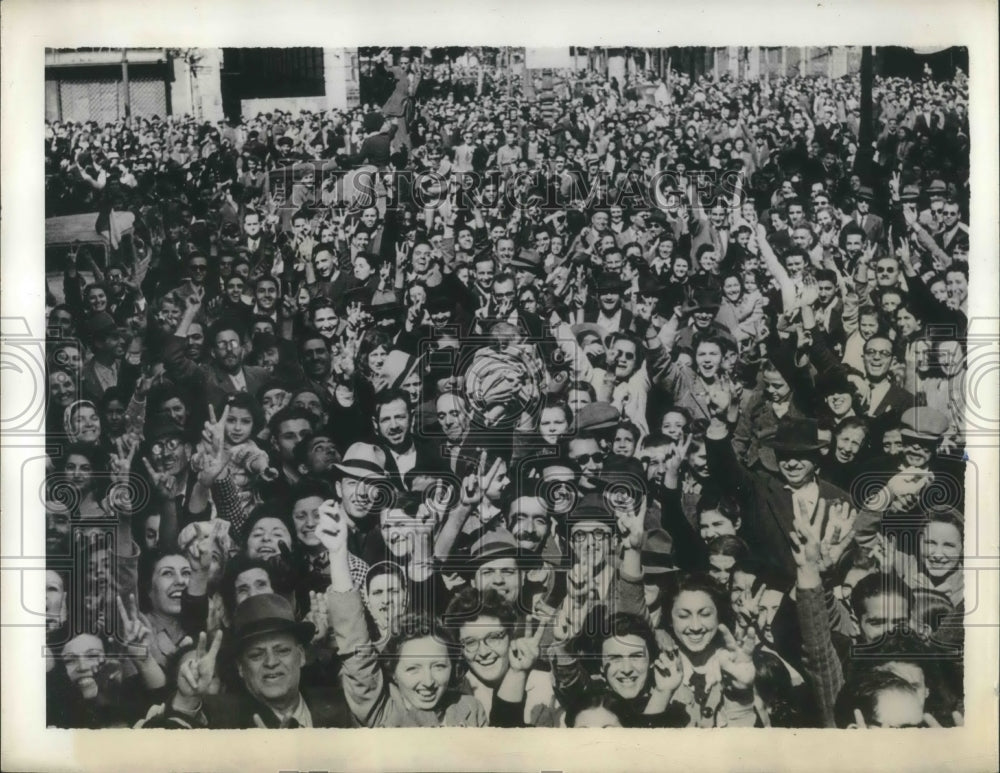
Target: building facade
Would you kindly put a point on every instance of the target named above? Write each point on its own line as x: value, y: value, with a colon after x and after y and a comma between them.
x: 105, y: 85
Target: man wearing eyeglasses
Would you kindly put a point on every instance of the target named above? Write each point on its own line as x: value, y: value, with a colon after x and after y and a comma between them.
x: 224, y: 373
x: 585, y: 451
x: 502, y: 307
x: 871, y: 224
x: 932, y: 218
x: 168, y: 453
x: 953, y: 231
x: 884, y: 397
x: 197, y: 273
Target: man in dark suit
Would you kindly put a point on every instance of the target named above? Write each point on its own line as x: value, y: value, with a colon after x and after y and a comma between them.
x: 609, y: 312
x: 771, y: 501
x: 829, y: 307
x: 108, y: 367
x: 872, y: 225
x: 259, y: 246
x: 885, y: 400
x: 270, y: 650
x: 392, y: 418
x: 884, y: 397
x: 502, y: 307
x: 224, y: 374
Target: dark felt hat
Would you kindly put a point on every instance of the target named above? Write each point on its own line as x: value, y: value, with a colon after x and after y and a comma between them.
x: 101, y: 324
x: 607, y: 282
x: 793, y: 434
x: 702, y: 300
x: 657, y: 553
x: 267, y: 613
x: 527, y: 260
x: 591, y: 508
x: 594, y: 416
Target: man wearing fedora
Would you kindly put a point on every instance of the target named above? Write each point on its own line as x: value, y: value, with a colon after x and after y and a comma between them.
x: 107, y: 367
x: 526, y: 267
x: 954, y: 234
x: 773, y: 499
x: 269, y: 649
x: 609, y: 312
x: 870, y: 223
x: 923, y: 429
x: 699, y: 311
x: 931, y: 218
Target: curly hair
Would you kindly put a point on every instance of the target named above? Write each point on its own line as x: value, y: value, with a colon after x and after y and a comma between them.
x: 699, y: 582
x: 413, y: 626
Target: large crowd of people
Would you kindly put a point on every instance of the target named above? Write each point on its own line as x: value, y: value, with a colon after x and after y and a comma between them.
x: 594, y: 404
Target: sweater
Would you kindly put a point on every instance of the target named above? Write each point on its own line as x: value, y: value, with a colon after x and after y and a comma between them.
x: 374, y: 701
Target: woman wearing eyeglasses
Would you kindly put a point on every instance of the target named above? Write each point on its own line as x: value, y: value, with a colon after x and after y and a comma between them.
x: 499, y: 665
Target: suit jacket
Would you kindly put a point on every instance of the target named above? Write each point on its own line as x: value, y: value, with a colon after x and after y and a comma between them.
x: 946, y: 239
x: 236, y: 711
x: 895, y: 401
x: 214, y: 383
x: 91, y: 385
x: 757, y: 420
x: 703, y: 232
x: 428, y: 460
x: 626, y: 323
x: 873, y: 226
x: 768, y: 512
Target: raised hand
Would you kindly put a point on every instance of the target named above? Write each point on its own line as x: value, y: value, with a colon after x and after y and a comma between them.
x: 569, y: 619
x: 810, y: 291
x: 136, y: 632
x: 163, y: 482
x: 414, y: 316
x: 676, y: 454
x: 747, y: 605
x: 354, y: 316
x: 719, y: 399
x: 121, y: 462
x: 838, y: 534
x: 213, y: 455
x: 145, y: 381
x: 195, y: 299
x: 332, y: 529
x: 667, y: 672
x: 196, y: 674
x: 735, y: 660
x: 580, y: 585
x: 630, y: 525
x: 318, y: 615
x: 476, y: 484
x: 523, y: 652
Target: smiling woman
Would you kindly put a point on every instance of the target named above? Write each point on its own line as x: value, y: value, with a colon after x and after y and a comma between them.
x: 163, y: 580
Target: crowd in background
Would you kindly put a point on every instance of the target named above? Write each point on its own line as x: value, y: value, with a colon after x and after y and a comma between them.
x: 625, y: 404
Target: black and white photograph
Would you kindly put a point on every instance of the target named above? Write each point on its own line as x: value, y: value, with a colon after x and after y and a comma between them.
x: 510, y: 386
